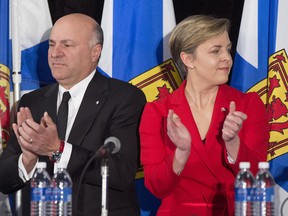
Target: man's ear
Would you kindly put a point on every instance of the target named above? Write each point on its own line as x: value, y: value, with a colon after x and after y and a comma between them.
x: 96, y: 52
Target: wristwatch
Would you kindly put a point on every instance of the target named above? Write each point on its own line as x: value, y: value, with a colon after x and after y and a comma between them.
x: 56, y: 156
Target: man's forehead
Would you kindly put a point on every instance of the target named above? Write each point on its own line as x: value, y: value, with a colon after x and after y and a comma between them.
x: 61, y: 40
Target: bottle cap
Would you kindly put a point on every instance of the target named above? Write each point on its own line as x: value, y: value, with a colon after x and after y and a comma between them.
x: 244, y: 165
x: 62, y: 165
x: 263, y: 165
x: 42, y: 165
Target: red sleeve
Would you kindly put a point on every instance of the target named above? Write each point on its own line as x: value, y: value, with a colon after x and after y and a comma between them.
x: 254, y: 135
x: 156, y: 155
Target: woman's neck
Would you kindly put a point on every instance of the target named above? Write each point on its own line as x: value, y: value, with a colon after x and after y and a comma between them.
x: 200, y: 96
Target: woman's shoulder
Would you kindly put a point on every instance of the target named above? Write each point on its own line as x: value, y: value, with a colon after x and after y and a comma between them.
x: 233, y: 92
x: 161, y: 105
x: 244, y: 98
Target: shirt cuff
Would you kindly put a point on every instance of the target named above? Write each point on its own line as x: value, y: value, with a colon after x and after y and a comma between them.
x: 65, y: 157
x: 22, y: 171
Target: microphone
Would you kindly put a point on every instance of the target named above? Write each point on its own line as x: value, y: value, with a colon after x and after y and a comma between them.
x: 111, y: 146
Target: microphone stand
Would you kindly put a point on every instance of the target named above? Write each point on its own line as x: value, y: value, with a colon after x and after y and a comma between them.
x: 105, y: 174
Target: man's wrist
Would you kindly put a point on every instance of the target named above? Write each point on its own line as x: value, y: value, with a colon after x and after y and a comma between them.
x: 56, y: 156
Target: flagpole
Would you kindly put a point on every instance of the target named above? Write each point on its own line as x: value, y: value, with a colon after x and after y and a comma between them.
x: 16, y: 50
x: 16, y: 74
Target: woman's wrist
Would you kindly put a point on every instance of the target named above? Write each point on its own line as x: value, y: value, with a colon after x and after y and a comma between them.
x: 180, y: 160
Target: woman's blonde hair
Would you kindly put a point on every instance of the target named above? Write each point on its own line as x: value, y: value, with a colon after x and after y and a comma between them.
x: 193, y: 31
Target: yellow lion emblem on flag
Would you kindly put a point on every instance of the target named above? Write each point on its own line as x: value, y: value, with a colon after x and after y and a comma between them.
x: 274, y: 93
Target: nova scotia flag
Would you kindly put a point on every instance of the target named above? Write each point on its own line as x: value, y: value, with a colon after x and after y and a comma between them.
x: 5, y: 62
x: 261, y: 65
x: 136, y: 34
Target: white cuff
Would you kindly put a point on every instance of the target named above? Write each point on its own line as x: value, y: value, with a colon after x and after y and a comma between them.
x: 22, y: 171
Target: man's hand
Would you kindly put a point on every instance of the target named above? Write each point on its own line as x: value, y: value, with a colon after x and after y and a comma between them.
x: 35, y: 139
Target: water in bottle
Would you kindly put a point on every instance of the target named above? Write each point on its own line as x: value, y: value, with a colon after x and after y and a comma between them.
x: 264, y: 191
x: 40, y: 191
x: 244, y: 190
x: 61, y: 192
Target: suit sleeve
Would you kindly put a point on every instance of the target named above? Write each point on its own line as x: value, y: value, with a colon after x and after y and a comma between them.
x: 125, y: 125
x: 9, y: 171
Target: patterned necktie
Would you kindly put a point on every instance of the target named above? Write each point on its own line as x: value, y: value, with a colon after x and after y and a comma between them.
x: 63, y: 115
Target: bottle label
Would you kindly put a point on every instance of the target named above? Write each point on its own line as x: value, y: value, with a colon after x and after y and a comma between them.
x: 48, y: 194
x: 39, y: 194
x: 62, y: 194
x: 243, y: 194
x: 264, y: 194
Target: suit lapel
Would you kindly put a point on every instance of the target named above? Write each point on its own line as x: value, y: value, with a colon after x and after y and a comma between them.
x: 49, y: 102
x: 91, y: 104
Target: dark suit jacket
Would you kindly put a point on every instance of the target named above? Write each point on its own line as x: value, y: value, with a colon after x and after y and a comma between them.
x: 109, y: 108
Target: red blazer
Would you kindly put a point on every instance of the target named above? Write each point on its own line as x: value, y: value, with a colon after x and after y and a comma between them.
x: 206, y: 185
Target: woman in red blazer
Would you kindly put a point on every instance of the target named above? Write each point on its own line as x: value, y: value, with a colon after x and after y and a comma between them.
x: 193, y: 140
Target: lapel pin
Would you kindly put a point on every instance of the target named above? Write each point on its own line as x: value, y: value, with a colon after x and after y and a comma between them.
x: 97, y: 102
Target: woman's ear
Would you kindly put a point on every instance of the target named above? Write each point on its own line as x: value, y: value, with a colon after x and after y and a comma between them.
x: 187, y: 59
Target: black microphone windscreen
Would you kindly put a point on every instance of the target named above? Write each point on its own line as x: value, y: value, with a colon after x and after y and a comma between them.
x: 115, y: 141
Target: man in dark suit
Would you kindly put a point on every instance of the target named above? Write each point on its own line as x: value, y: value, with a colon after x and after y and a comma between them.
x: 99, y: 107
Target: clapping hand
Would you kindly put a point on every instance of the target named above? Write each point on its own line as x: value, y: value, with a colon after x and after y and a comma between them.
x: 177, y: 132
x: 233, y: 123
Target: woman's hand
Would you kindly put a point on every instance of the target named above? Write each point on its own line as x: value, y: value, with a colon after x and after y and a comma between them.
x: 181, y: 138
x: 231, y: 127
x: 177, y: 132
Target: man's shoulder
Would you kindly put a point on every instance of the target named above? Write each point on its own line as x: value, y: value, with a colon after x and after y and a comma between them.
x: 120, y: 83
x: 41, y: 91
x: 115, y: 84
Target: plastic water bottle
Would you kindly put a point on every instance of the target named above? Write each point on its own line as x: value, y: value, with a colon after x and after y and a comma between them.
x: 244, y: 190
x: 40, y: 191
x: 264, y: 191
x: 61, y: 192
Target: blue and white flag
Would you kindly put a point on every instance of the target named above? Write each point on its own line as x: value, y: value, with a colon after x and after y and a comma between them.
x: 136, y: 35
x: 261, y: 65
x: 34, y: 22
